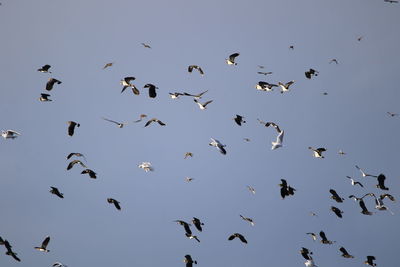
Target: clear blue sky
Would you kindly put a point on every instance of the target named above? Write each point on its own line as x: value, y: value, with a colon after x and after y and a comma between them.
x: 78, y: 37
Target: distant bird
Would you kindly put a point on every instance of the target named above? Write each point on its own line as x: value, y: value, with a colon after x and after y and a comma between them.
x: 44, y: 98
x: 115, y: 202
x: 291, y: 47
x: 379, y: 205
x: 391, y: 1
x: 318, y: 151
x: 188, y: 154
x: 152, y: 90
x: 370, y: 261
x: 365, y: 174
x: 306, y: 253
x: 189, y: 179
x: 389, y: 196
x: 241, y: 237
x: 186, y: 226
x: 175, y: 95
x: 361, y: 202
x: 76, y: 154
x: 197, y: 223
x: 264, y: 73
x: 251, y: 189
x: 191, y: 67
x: 239, y: 120
x: 392, y: 114
x: 247, y: 139
x: 337, y: 211
x: 278, y: 142
x: 341, y: 152
x: 119, y: 124
x: 285, y: 87
x: 146, y: 166
x: 51, y: 82
x: 313, y: 236
x: 261, y: 66
x: 313, y: 214
x: 10, y: 134
x: 202, y: 106
x: 71, y: 127
x: 9, y: 249
x: 154, y: 120
x: 286, y: 190
x: 264, y: 86
x: 218, y: 145
x: 335, y: 196
x: 231, y: 59
x: 198, y: 96
x: 250, y: 220
x: 72, y: 163
x: 353, y: 182
x: 142, y: 116
x: 333, y: 60
x: 273, y: 124
x: 360, y: 38
x: 310, y: 73
x: 55, y: 191
x: 90, y: 172
x: 345, y: 254
x: 381, y: 182
x: 108, y: 65
x: 59, y: 264
x: 126, y: 83
x: 325, y: 240
x: 145, y: 45
x: 45, y: 69
x: 43, y: 247
x: 189, y: 261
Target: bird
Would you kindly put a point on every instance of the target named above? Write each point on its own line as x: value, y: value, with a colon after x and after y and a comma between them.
x: 189, y: 179
x: 391, y: 1
x: 335, y: 196
x: 389, y: 196
x: 55, y: 191
x: 51, y: 82
x: 250, y: 220
x: 197, y: 223
x: 119, y: 124
x: 108, y: 65
x: 318, y: 152
x: 10, y: 134
x: 188, y: 154
x: 278, y: 142
x: 152, y: 90
x: 251, y: 189
x: 191, y: 67
x: 353, y: 182
x: 264, y: 73
x: 154, y: 120
x: 43, y: 247
x: 76, y: 154
x: 370, y: 261
x: 186, y: 226
x: 72, y: 163
x: 202, y: 106
x: 126, y: 83
x: 145, y: 45
x: 45, y: 69
x: 9, y: 249
x: 239, y: 120
x: 360, y: 38
x: 231, y: 59
x: 313, y: 214
x: 59, y: 264
x: 91, y: 173
x: 392, y: 114
x: 379, y: 205
x: 285, y: 87
x: 345, y: 254
x: 265, y: 86
x: 175, y: 95
x: 286, y: 190
x: 141, y: 116
x: 313, y: 236
x: 44, y: 98
x: 311, y: 73
x: 337, y: 211
x: 218, y: 145
x: 333, y: 60
x: 115, y: 202
x: 246, y: 139
x: 381, y: 182
x: 365, y: 174
x: 189, y: 261
x: 273, y: 124
x: 198, y: 96
x: 341, y: 152
x: 325, y: 240
x: 146, y: 166
x: 71, y: 127
x: 241, y: 237
x: 291, y: 47
x: 361, y: 202
x: 306, y: 253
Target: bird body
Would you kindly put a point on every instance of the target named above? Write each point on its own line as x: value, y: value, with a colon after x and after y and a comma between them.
x: 146, y: 166
x: 285, y: 87
x: 345, y: 254
x: 50, y: 83
x: 115, y: 202
x: 318, y: 152
x: 189, y: 261
x: 90, y: 172
x: 152, y: 90
x: 231, y: 59
x: 45, y: 69
x: 43, y: 247
x: 218, y: 145
x: 264, y: 86
x: 71, y: 127
x: 55, y: 191
x: 10, y: 134
x: 197, y: 223
x: 191, y: 67
x: 202, y: 106
x: 239, y: 120
x: 76, y: 161
x: 44, y: 98
x: 237, y: 235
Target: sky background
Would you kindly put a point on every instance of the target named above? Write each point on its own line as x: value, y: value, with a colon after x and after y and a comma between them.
x: 78, y: 37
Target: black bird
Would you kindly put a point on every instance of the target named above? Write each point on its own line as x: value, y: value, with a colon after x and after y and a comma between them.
x: 389, y: 196
x: 381, y: 182
x: 337, y: 211
x: 72, y: 163
x: 311, y: 73
x: 306, y: 253
x: 43, y: 247
x: 231, y: 59
x: 188, y: 260
x: 51, y: 82
x: 9, y: 250
x: 154, y: 120
x: 197, y: 223
x: 241, y: 237
x: 264, y: 73
x: 55, y: 191
x: 152, y: 90
x: 71, y: 127
x: 108, y: 65
x: 239, y: 120
x: 361, y: 202
x: 370, y: 261
x: 325, y: 240
x: 334, y: 60
x: 191, y: 67
x: 391, y: 1
x: 345, y: 254
x: 285, y: 189
x: 44, y: 98
x: 75, y: 154
x: 45, y: 69
x: 91, y: 173
x: 335, y: 196
x: 115, y: 202
x: 265, y: 86
x: 145, y: 45
x: 186, y: 226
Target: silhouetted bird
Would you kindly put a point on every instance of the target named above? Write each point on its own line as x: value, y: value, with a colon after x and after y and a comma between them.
x: 91, y: 173
x: 51, y: 82
x: 10, y: 134
x: 198, y: 96
x: 45, y: 69
x: 43, y: 247
x: 197, y: 223
x: 188, y: 260
x: 250, y: 220
x: 286, y: 190
x: 9, y: 251
x: 311, y: 73
x: 345, y: 254
x: 72, y: 163
x: 285, y: 87
x: 115, y: 202
x: 241, y: 237
x: 325, y: 240
x: 154, y: 120
x: 108, y: 65
x: 191, y: 67
x: 381, y: 182
x: 55, y: 191
x: 337, y: 211
x: 370, y: 261
x: 335, y: 196
x: 231, y: 59
x: 75, y: 154
x: 239, y: 120
x: 71, y: 127
x: 44, y: 98
x: 152, y: 90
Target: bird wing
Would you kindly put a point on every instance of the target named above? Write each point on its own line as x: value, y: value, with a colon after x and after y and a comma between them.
x: 231, y: 237
x: 161, y: 123
x: 148, y: 123
x: 322, y: 235
x: 110, y: 120
x: 206, y: 103
x: 116, y: 204
x: 45, y: 242
x: 233, y: 56
x: 242, y: 238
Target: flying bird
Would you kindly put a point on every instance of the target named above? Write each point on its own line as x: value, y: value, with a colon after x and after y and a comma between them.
x: 392, y: 114
x: 391, y: 1
x: 264, y: 86
x: 361, y: 202
x: 273, y: 124
x: 341, y: 152
x: 175, y: 95
x: 90, y: 172
x: 115, y: 202
x: 251, y: 189
x: 44, y: 98
x: 142, y: 116
x: 189, y: 179
x: 43, y: 247
x: 10, y: 134
x: 51, y: 82
x: 198, y: 96
x: 9, y: 249
x: 313, y: 236
x: 335, y: 196
x: 126, y: 83
x: 191, y: 67
x: 72, y: 163
x: 379, y: 205
x: 71, y: 127
x: 76, y: 154
x: 189, y: 261
x: 239, y: 120
x: 59, y: 264
x: 197, y: 223
x: 291, y: 47
x: 286, y: 190
x: 188, y: 154
x: 370, y: 261
x: 353, y: 182
x: 264, y: 73
x: 55, y: 191
x: 241, y: 237
x: 202, y: 106
x: 325, y: 240
x: 152, y: 90
x: 45, y: 69
x: 218, y: 145
x: 231, y: 59
x: 278, y: 142
x: 146, y: 166
x: 389, y: 196
x: 108, y: 65
x: 337, y: 211
x: 333, y: 60
x: 186, y: 226
x: 345, y: 254
x: 306, y: 253
x: 364, y: 174
x: 250, y: 220
x: 311, y: 73
x: 119, y: 124
x: 145, y: 45
x: 154, y: 120
x: 381, y: 182
x: 190, y: 236
x: 318, y: 151
x: 310, y: 263
x: 285, y: 87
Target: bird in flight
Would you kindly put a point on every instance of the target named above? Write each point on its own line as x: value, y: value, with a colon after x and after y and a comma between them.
x: 44, y: 98
x: 175, y: 95
x: 119, y: 124
x: 237, y: 235
x: 51, y: 82
x: 251, y: 189
x: 45, y: 69
x: 71, y: 127
x: 198, y: 96
x: 9, y: 249
x: 76, y: 154
x: 189, y: 179
x: 313, y: 236
x: 90, y: 172
x: 265, y: 86
x: 364, y: 174
x: 392, y: 114
x: 239, y: 120
x: 202, y: 106
x: 334, y: 60
x: 264, y: 73
x: 55, y: 191
x: 145, y: 45
x: 325, y: 240
x: 154, y: 120
x: 108, y: 65
x: 115, y: 202
x: 286, y: 190
x: 381, y: 182
x: 218, y: 145
x: 189, y: 261
x: 146, y: 166
x: 188, y: 154
x: 337, y: 211
x: 335, y: 196
x: 59, y: 264
x: 197, y: 223
x: 43, y: 247
x: 306, y: 253
x: 231, y: 59
x: 72, y: 163
x: 345, y: 254
x: 391, y: 1
x: 10, y: 134
x: 191, y: 67
x: 318, y: 152
x: 370, y: 261
x: 353, y: 182
x: 126, y: 83
x: 310, y: 73
x: 379, y: 205
x: 361, y: 202
x: 285, y: 87
x: 152, y: 90
x: 250, y: 220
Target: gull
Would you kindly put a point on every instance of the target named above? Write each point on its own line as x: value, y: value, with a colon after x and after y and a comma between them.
x: 44, y: 98
x: 115, y: 202
x: 264, y: 73
x: 71, y: 127
x: 188, y: 154
x: 379, y: 205
x: 141, y: 116
x: 189, y: 179
x: 337, y: 211
x: 76, y: 154
x: 286, y: 190
x: 10, y: 134
x: 335, y: 196
x: 45, y: 69
x: 145, y: 45
x: 313, y: 236
x: 9, y: 249
x: 250, y: 220
x: 43, y: 247
x: 333, y: 60
x: 72, y: 163
x: 189, y: 261
x: 285, y: 87
x: 392, y: 114
x: 389, y: 196
x: 108, y: 65
x: 239, y: 120
x: 345, y: 254
x: 365, y: 174
x: 241, y: 237
x: 361, y: 202
x: 231, y: 59
x: 198, y: 96
x: 370, y: 261
x: 51, y: 82
x: 146, y: 166
x: 175, y: 95
x: 218, y: 145
x: 318, y: 151
x: 202, y: 106
x: 324, y: 240
x: 353, y: 182
x: 264, y: 86
x: 251, y: 189
x: 381, y: 182
x: 55, y: 191
x: 119, y: 124
x: 152, y: 90
x: 306, y: 253
x: 91, y: 173
x: 278, y: 142
x: 191, y: 67
x: 197, y: 223
x: 126, y: 83
x: 311, y: 73
x: 154, y: 120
